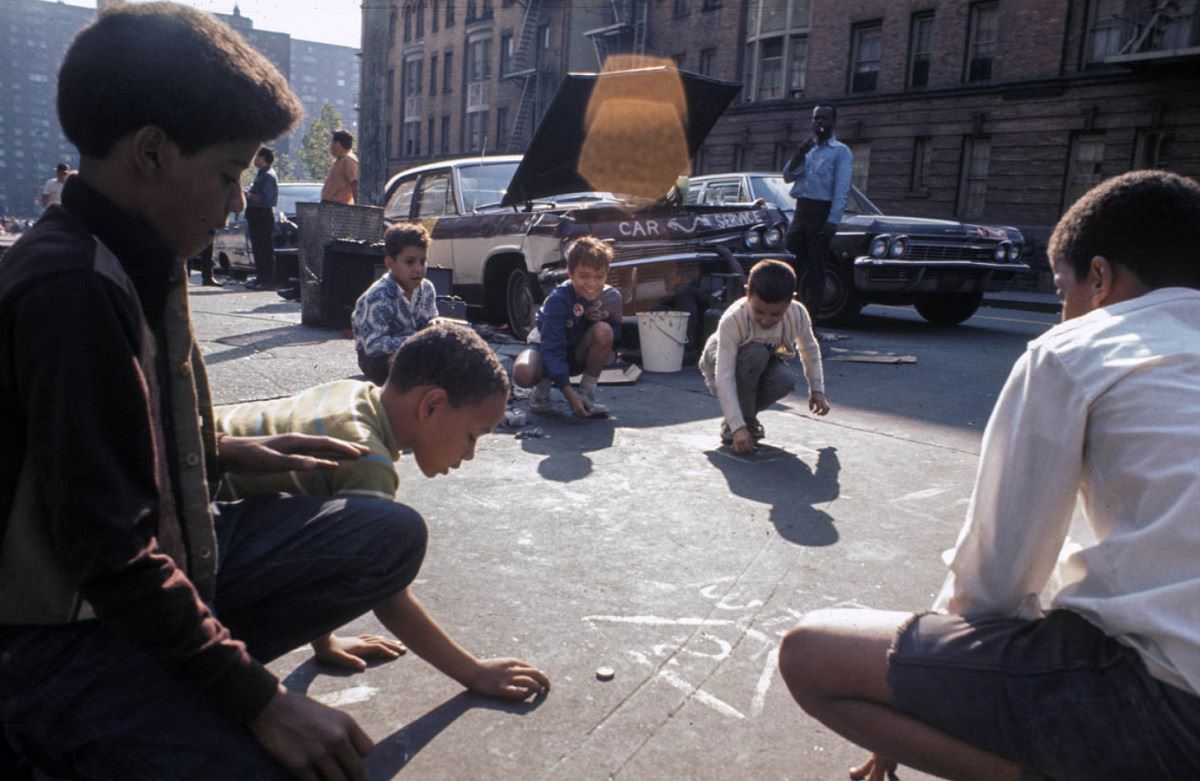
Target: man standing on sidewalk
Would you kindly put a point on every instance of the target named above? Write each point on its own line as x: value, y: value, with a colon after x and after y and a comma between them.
x: 341, y: 185
x: 260, y: 219
x: 819, y: 173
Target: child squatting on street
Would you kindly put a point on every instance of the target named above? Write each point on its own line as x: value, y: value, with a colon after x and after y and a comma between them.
x: 577, y: 326
x: 445, y: 391
x: 397, y: 305
x: 741, y: 360
x: 1102, y: 411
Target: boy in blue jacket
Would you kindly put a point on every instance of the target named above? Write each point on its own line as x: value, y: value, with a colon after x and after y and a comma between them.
x: 576, y: 328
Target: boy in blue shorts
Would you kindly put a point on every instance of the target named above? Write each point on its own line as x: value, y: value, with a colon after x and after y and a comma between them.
x: 577, y: 326
x: 1103, y: 412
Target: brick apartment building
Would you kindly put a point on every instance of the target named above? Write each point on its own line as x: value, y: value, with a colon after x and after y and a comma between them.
x: 992, y: 111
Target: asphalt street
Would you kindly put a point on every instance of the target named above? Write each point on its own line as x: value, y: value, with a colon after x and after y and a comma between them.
x: 637, y: 543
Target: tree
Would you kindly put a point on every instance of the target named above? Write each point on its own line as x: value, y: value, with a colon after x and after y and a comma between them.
x: 314, y: 149
x: 287, y: 168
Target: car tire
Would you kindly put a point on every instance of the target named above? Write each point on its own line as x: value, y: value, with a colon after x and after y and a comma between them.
x: 949, y: 308
x: 520, y: 303
x: 841, y: 302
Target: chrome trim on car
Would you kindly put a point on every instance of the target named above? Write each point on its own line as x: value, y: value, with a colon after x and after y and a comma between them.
x: 865, y: 261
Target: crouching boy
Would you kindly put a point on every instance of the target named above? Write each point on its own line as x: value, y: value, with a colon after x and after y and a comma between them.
x: 741, y: 360
x: 577, y: 326
x: 397, y: 305
x: 445, y: 391
x: 1102, y: 411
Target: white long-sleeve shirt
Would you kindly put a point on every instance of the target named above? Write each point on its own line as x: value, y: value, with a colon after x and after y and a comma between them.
x: 718, y: 362
x: 1104, y: 410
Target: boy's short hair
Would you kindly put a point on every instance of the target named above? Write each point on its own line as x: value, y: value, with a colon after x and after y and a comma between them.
x: 588, y: 251
x: 266, y: 153
x: 344, y: 138
x: 173, y: 67
x: 1147, y: 221
x: 453, y: 358
x: 405, y: 234
x: 772, y: 281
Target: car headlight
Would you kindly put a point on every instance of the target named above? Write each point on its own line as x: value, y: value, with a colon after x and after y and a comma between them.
x: 1014, y: 253
x: 879, y: 247
x: 899, y: 245
x: 752, y: 239
x: 773, y: 237
x: 1001, y: 252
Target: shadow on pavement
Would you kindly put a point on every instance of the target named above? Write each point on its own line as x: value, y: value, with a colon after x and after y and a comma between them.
x: 261, y: 341
x: 569, y: 440
x: 396, y: 750
x: 779, y: 478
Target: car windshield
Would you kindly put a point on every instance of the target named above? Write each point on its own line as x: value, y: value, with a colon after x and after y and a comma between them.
x: 775, y: 191
x: 291, y: 194
x: 484, y: 184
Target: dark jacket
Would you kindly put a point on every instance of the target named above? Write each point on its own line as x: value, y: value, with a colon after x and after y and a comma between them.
x: 562, y: 323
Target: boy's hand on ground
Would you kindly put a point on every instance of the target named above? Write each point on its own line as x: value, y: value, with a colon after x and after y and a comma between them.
x: 743, y: 443
x: 511, y: 679
x: 817, y: 403
x: 310, y: 740
x: 876, y: 768
x: 578, y: 403
x: 352, y: 652
x: 286, y: 453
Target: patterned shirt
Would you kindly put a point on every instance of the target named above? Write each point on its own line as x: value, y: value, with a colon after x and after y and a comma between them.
x: 384, y: 316
x: 348, y: 409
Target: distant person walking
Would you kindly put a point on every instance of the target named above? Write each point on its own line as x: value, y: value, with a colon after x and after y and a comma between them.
x: 52, y: 190
x: 341, y: 185
x: 819, y: 173
x: 261, y: 200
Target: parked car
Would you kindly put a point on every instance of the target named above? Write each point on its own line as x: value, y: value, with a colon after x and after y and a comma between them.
x: 502, y: 223
x: 941, y: 267
x: 231, y: 244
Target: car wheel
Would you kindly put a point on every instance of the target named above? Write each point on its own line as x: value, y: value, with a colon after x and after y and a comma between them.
x: 520, y: 303
x: 840, y: 303
x: 948, y: 309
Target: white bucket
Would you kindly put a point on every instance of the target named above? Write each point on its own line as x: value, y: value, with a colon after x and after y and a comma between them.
x: 662, y: 336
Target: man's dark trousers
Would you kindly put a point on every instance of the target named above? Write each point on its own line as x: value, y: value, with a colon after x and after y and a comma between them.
x: 260, y: 222
x: 808, y: 241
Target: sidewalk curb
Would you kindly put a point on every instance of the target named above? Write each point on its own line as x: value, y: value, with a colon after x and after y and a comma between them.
x: 1048, y: 304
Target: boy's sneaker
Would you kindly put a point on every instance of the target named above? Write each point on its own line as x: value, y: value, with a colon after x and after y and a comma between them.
x: 540, y: 400
x: 757, y: 431
x: 726, y: 434
x: 596, y: 409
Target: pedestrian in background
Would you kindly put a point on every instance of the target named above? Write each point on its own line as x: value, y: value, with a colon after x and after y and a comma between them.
x: 260, y: 220
x: 819, y: 173
x: 52, y: 189
x: 341, y: 184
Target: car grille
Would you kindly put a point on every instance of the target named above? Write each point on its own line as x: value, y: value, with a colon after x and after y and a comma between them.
x: 925, y: 250
x: 652, y: 249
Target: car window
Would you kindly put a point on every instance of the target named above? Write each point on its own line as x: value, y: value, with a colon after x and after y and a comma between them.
x: 857, y: 203
x: 484, y: 184
x: 292, y: 194
x: 773, y: 190
x: 434, y: 198
x: 728, y: 191
x: 399, y: 206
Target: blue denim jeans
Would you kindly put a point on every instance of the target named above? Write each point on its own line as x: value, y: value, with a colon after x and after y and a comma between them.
x: 1056, y: 695
x: 78, y: 702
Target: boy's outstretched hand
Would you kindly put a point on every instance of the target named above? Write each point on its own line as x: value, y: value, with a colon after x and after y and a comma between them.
x: 817, y: 403
x: 285, y: 453
x: 353, y: 652
x: 876, y: 768
x: 510, y: 679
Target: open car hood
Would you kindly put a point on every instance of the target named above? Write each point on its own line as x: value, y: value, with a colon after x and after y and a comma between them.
x: 631, y: 132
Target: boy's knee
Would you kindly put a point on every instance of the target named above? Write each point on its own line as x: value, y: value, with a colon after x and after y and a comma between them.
x: 602, y: 334
x: 800, y: 660
x: 753, y: 357
x: 403, y: 535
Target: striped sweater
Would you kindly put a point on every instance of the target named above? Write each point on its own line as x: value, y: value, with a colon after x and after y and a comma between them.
x: 347, y: 409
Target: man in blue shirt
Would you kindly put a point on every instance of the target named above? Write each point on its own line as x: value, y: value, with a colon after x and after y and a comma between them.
x: 819, y: 173
x: 261, y: 199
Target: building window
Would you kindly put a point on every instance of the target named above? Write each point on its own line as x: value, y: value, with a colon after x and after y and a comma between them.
x: 1151, y: 148
x: 860, y: 169
x: 479, y: 59
x: 679, y: 59
x: 972, y: 188
x: 391, y: 30
x: 920, y: 50
x: 420, y: 19
x: 776, y: 49
x: 447, y: 70
x: 708, y: 61
x: 501, y: 128
x: 739, y: 157
x: 922, y: 162
x: 543, y: 39
x: 412, y: 138
x: 408, y: 20
x: 681, y: 8
x: 486, y: 11
x: 476, y: 131
x: 866, y: 50
x: 433, y: 59
x: 449, y: 13
x: 1085, y: 167
x: 429, y: 147
x: 445, y: 134
x: 710, y: 5
x: 506, y: 52
x: 472, y: 10
x: 1107, y: 29
x: 412, y: 78
x: 700, y: 161
x: 433, y: 14
x: 981, y: 42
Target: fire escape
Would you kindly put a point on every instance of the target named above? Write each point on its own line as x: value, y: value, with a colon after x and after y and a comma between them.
x: 1170, y: 33
x: 525, y: 69
x: 625, y: 33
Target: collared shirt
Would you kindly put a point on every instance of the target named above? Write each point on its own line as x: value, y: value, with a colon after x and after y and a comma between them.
x: 823, y: 175
x: 736, y: 329
x: 266, y: 187
x: 349, y: 410
x: 341, y: 185
x: 1104, y: 411
x: 106, y: 413
x: 384, y: 316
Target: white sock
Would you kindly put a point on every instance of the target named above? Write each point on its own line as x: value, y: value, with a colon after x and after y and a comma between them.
x: 588, y: 384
